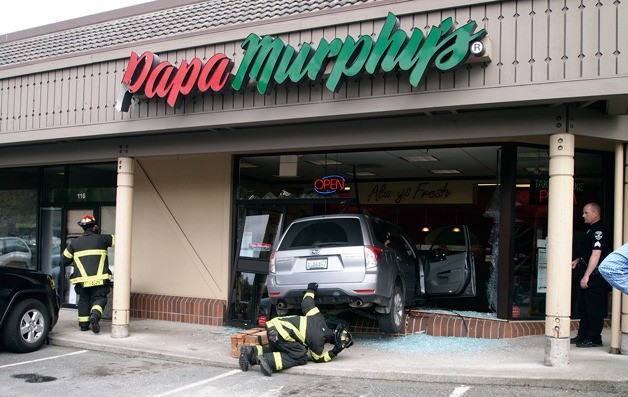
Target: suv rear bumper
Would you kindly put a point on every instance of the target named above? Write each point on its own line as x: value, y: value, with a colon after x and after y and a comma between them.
x: 328, y: 296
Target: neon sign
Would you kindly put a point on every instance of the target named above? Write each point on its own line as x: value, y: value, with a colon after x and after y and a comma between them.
x: 329, y: 184
x: 269, y: 61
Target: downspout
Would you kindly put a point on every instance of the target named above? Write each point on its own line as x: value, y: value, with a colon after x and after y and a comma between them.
x: 624, y: 297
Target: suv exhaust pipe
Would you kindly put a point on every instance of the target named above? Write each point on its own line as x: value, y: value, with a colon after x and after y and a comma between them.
x: 357, y: 303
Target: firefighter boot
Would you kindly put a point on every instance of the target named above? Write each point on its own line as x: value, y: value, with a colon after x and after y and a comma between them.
x: 264, y: 365
x: 248, y: 357
x: 93, y: 322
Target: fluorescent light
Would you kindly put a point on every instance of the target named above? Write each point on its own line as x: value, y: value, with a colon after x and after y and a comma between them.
x: 324, y: 162
x: 414, y: 159
x: 451, y: 171
x: 248, y: 165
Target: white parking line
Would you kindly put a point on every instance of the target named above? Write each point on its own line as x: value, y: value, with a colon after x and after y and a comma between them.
x: 459, y: 391
x: 232, y: 372
x: 43, y: 359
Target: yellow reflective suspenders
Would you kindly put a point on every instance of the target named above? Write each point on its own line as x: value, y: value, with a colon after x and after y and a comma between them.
x: 89, y: 281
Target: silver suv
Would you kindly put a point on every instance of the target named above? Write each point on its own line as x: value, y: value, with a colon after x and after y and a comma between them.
x: 365, y: 263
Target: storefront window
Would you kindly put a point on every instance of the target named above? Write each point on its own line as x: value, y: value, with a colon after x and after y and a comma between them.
x: 420, y: 189
x: 18, y: 217
x: 80, y: 183
x: 529, y: 267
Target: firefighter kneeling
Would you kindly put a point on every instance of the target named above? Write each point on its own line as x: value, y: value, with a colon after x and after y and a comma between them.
x: 290, y: 338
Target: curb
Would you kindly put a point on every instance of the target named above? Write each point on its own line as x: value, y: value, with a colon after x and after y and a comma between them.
x: 603, y: 386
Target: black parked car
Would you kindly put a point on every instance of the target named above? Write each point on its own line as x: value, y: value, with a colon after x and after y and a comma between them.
x: 29, y: 308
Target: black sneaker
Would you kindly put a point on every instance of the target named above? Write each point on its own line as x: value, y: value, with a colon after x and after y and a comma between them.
x: 84, y: 327
x: 589, y: 343
x: 247, y: 357
x: 266, y: 370
x: 576, y: 339
x: 94, y: 324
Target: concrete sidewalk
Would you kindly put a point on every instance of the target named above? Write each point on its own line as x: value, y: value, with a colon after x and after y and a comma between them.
x: 419, y: 358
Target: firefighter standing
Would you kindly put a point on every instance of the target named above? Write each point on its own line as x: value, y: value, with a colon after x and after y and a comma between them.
x: 292, y: 337
x: 91, y: 276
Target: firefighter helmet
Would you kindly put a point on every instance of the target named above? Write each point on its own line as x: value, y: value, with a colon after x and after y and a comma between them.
x: 342, y: 336
x: 87, y: 221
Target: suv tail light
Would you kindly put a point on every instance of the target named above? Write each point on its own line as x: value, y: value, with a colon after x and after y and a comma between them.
x: 372, y: 255
x: 271, y: 263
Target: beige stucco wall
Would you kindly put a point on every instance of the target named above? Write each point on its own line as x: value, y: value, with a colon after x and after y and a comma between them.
x: 181, y: 226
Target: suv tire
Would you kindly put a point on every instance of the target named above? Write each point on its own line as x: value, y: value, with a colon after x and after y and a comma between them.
x: 391, y: 322
x: 27, y: 326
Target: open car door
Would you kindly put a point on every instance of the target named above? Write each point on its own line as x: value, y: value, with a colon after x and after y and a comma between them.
x: 449, y: 267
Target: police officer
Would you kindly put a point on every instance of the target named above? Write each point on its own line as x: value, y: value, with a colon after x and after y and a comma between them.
x: 593, y: 289
x: 290, y: 339
x: 91, y: 276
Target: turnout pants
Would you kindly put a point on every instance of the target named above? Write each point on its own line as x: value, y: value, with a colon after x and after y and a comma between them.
x: 282, y: 354
x: 91, y: 301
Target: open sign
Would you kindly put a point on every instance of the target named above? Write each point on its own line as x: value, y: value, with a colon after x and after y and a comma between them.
x: 329, y: 184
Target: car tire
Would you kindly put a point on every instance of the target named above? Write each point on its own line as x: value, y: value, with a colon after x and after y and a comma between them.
x: 26, y: 327
x: 391, y: 322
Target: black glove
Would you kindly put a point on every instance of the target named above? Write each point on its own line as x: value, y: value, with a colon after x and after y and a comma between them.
x: 312, y: 286
x: 337, y: 349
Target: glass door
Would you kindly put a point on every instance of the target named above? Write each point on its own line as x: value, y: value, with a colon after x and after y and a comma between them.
x: 258, y: 231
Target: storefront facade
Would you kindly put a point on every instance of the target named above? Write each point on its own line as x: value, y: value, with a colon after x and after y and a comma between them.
x: 431, y: 113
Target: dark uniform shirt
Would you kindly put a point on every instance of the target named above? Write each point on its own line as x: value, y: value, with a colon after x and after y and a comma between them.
x: 596, y: 238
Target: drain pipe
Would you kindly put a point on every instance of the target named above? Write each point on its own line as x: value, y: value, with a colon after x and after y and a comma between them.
x: 624, y: 297
x: 559, y: 243
x: 122, y: 275
x: 618, y: 215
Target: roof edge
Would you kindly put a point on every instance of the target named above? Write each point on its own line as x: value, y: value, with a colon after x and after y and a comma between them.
x: 119, y: 13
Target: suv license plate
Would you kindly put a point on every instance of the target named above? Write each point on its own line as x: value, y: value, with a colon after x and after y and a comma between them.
x: 312, y: 264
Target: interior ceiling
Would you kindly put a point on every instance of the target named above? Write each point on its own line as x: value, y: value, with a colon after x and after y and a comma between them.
x: 471, y: 162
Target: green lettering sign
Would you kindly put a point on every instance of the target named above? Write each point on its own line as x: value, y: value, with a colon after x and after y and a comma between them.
x: 269, y: 60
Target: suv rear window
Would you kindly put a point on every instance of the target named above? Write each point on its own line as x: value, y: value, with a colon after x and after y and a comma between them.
x: 323, y: 233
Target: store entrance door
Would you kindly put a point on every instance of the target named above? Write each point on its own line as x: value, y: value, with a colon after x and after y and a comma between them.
x: 59, y: 227
x: 259, y: 228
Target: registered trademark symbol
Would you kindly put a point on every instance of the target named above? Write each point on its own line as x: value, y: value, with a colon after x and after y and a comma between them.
x: 477, y: 48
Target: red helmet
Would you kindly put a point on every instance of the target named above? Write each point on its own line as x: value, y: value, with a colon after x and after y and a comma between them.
x: 88, y: 220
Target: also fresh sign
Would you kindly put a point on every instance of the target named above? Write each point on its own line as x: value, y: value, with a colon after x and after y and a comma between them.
x: 269, y: 61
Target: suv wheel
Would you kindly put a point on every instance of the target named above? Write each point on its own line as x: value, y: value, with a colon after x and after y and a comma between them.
x: 390, y: 323
x: 26, y: 327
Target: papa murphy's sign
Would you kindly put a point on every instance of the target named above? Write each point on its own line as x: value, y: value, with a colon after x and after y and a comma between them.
x: 270, y: 61
x: 419, y: 192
